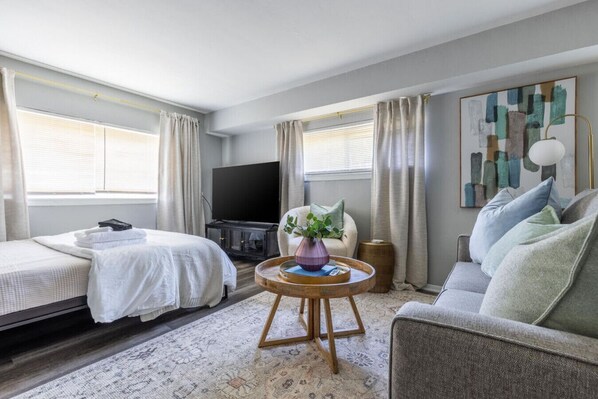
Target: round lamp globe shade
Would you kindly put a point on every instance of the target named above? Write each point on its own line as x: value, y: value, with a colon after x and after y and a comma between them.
x: 546, y: 152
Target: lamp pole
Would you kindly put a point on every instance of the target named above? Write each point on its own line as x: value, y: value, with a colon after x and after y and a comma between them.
x: 590, y: 143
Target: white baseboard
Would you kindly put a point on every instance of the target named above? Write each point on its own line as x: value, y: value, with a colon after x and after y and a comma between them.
x: 435, y: 289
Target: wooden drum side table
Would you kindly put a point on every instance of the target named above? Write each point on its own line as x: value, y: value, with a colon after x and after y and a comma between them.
x: 362, y: 279
x: 381, y: 256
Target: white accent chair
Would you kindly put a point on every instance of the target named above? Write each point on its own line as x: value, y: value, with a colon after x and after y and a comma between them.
x: 344, y: 246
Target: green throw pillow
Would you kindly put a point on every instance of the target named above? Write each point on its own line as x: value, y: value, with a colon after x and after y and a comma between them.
x: 336, y: 213
x: 550, y: 281
x: 541, y: 223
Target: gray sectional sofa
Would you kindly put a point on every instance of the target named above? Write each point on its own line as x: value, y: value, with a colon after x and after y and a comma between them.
x: 449, y: 350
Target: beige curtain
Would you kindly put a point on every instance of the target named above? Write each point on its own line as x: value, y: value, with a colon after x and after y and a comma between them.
x: 180, y: 207
x: 398, y: 188
x: 14, y: 215
x: 289, y: 137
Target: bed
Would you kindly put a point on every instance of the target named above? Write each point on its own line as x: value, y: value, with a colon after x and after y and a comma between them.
x: 45, y: 277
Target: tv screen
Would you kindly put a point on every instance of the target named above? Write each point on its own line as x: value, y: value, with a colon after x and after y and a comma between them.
x: 246, y: 193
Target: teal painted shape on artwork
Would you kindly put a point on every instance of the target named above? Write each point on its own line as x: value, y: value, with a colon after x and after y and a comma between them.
x: 502, y: 170
x: 558, y: 106
x: 514, y: 96
x: 533, y: 135
x: 501, y: 122
x: 548, y: 171
x: 491, y: 102
x: 469, y: 195
x: 490, y: 179
x: 476, y: 168
x: 514, y: 172
x: 525, y: 105
x: 536, y: 117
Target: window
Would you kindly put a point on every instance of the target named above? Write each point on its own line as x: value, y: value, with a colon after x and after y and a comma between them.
x: 67, y: 156
x: 339, y: 149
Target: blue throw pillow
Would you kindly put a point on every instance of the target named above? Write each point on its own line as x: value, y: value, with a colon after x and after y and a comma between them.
x: 503, y: 212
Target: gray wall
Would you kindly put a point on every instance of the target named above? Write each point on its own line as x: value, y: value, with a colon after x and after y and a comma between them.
x: 249, y: 148
x: 556, y: 39
x: 45, y: 220
x: 446, y: 220
x: 37, y: 96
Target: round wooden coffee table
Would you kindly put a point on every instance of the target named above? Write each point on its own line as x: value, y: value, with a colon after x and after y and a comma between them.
x: 363, y: 278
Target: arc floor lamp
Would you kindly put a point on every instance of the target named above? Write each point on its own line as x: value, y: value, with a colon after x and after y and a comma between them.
x: 549, y: 151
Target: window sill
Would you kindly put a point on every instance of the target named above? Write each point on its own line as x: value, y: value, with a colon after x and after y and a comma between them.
x: 328, y: 176
x: 90, y: 199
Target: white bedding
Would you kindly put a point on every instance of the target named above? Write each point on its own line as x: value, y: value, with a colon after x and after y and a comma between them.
x: 172, y: 270
x: 180, y: 271
x: 32, y: 275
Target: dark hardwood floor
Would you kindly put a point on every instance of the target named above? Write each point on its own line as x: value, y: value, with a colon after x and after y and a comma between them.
x: 40, y: 352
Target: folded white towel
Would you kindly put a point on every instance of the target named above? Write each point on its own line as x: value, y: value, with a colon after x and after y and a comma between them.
x: 95, y: 230
x: 110, y: 236
x: 110, y: 244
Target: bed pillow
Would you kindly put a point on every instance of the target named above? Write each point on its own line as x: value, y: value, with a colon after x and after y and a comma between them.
x: 503, y: 212
x: 550, y: 281
x: 336, y: 213
x: 543, y: 222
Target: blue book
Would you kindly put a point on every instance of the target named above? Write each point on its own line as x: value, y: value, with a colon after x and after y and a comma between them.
x: 300, y: 271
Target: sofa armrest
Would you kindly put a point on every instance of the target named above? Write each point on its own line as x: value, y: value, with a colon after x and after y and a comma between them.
x: 463, y: 248
x: 438, y: 352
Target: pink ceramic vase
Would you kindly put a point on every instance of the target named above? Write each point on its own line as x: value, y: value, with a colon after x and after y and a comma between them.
x: 312, y: 254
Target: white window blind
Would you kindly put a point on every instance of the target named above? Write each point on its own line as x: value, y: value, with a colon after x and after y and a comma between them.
x: 66, y: 156
x: 131, y: 161
x: 339, y: 149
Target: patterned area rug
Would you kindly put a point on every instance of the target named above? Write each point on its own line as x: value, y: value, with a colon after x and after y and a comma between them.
x: 217, y: 357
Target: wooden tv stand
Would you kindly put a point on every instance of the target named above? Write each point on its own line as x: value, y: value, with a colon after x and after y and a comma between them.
x: 245, y: 239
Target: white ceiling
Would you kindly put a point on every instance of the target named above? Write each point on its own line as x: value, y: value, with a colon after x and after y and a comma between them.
x: 212, y: 54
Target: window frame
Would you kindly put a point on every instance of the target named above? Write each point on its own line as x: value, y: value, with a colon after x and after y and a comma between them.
x: 99, y: 197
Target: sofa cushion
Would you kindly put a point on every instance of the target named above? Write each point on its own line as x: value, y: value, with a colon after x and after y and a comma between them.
x: 543, y: 222
x: 550, y: 281
x: 582, y: 205
x: 467, y: 276
x: 466, y: 301
x: 503, y: 212
x: 336, y: 213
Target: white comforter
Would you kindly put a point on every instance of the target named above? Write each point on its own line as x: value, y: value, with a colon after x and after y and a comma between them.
x: 171, y: 270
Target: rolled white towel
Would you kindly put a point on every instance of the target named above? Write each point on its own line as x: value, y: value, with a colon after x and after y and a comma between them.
x: 110, y: 236
x: 110, y: 244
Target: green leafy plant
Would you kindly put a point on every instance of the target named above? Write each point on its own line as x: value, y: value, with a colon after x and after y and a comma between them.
x: 314, y: 228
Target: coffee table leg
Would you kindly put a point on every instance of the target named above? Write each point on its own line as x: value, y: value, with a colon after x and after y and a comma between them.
x: 264, y: 342
x: 310, y: 317
x: 361, y: 329
x: 355, y: 331
x: 316, y: 316
x: 331, y: 343
x: 269, y: 321
x: 329, y: 354
x: 302, y: 306
x: 313, y: 327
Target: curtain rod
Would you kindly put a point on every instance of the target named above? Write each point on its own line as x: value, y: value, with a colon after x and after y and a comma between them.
x: 94, y: 94
x: 354, y: 110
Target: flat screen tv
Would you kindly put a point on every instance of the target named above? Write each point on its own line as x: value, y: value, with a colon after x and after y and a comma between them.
x: 246, y: 193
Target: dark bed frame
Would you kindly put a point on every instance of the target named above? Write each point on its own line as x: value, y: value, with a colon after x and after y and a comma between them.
x: 16, y: 319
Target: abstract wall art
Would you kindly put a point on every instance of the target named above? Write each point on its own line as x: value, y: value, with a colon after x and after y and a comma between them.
x: 497, y: 130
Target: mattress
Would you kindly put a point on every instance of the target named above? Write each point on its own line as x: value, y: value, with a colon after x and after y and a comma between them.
x: 32, y: 275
